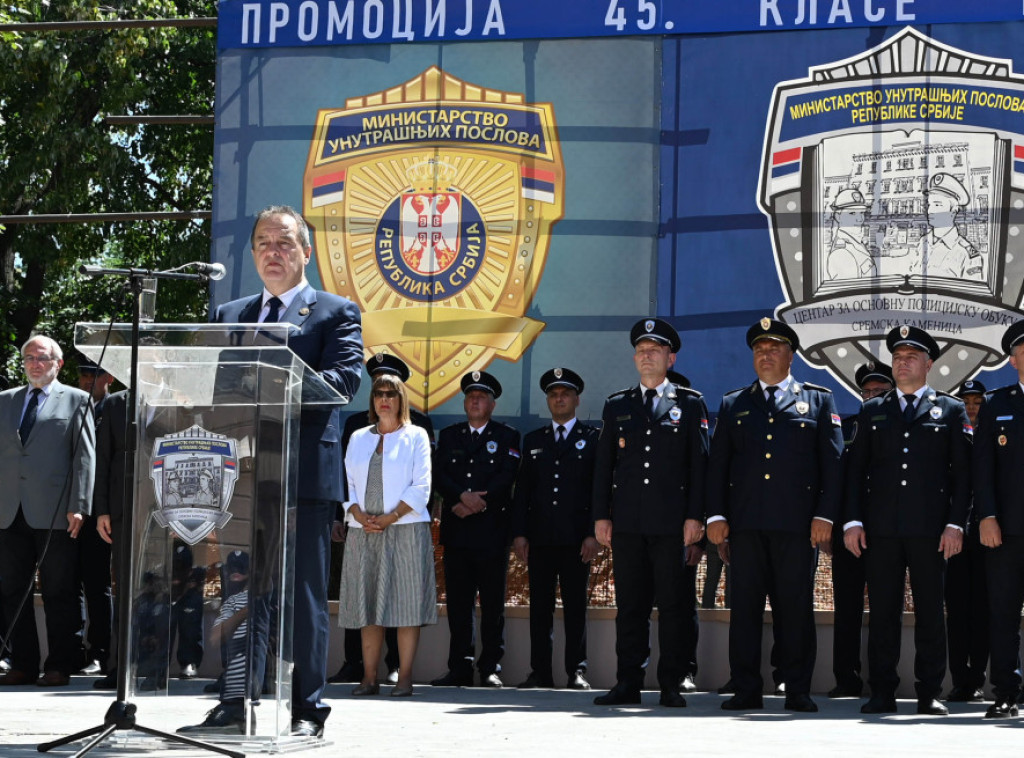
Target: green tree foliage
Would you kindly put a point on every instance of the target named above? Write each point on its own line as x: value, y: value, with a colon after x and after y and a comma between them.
x: 58, y: 156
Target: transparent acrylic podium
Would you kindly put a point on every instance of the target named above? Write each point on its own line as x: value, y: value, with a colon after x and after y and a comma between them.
x: 213, y: 532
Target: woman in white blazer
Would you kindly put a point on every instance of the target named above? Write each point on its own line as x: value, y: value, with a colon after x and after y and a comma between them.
x: 387, y: 576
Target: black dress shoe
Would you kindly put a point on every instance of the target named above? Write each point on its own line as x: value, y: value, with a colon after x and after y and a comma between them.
x: 578, y: 681
x: 224, y: 719
x: 453, y: 680
x: 533, y: 681
x: 801, y: 704
x: 686, y: 684
x: 965, y: 695
x: 620, y: 694
x: 847, y: 690
x: 1001, y: 709
x: 929, y: 706
x: 727, y: 689
x: 745, y: 703
x: 307, y: 728
x: 349, y: 672
x: 671, y: 699
x: 491, y: 680
x: 879, y: 704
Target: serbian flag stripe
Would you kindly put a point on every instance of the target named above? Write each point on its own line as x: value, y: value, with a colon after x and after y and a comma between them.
x: 785, y: 172
x: 1018, y: 159
x: 328, y: 188
x: 539, y: 184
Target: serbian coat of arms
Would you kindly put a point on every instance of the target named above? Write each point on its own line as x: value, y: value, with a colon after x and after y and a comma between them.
x: 894, y: 185
x: 193, y: 473
x: 432, y: 205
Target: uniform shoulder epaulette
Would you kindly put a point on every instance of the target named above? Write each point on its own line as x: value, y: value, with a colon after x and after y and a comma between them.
x: 947, y: 394
x: 620, y: 393
x: 687, y: 390
x: 818, y: 387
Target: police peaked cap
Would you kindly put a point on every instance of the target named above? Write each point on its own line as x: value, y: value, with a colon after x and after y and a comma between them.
x: 770, y: 329
x: 655, y: 329
x: 561, y: 377
x: 86, y: 366
x: 1013, y: 336
x: 874, y: 371
x: 481, y: 380
x: 848, y: 199
x: 971, y: 387
x: 676, y: 378
x: 237, y: 562
x: 916, y: 338
x: 385, y: 363
x: 947, y: 184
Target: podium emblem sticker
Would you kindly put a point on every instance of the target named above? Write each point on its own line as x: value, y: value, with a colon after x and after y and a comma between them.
x: 433, y: 203
x: 194, y: 473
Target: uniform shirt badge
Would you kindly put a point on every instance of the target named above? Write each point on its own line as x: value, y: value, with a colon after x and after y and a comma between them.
x: 935, y: 412
x: 802, y: 407
x: 580, y: 444
x: 622, y: 442
x: 492, y: 446
x: 1002, y: 440
x: 675, y: 414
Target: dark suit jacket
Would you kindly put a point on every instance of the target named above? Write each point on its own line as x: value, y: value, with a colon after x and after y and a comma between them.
x: 649, y: 474
x: 910, y: 480
x: 54, y: 468
x: 330, y: 342
x: 555, y: 486
x: 489, y: 465
x: 776, y: 471
x: 998, y: 459
x: 108, y: 493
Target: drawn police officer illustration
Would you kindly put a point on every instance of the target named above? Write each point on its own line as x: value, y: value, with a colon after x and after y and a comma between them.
x: 848, y: 257
x: 943, y: 250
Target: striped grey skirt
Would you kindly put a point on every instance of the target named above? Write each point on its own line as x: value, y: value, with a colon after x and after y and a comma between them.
x: 388, y: 579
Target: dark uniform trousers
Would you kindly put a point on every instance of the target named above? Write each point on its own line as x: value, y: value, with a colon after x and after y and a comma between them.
x: 691, y: 624
x: 772, y: 470
x: 476, y: 547
x: 967, y: 628
x: 997, y: 464
x: 649, y: 478
x: 848, y: 582
x: 907, y: 482
x: 848, y: 585
x: 97, y: 599
x: 552, y: 509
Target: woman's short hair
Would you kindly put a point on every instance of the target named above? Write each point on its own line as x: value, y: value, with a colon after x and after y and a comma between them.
x: 390, y: 382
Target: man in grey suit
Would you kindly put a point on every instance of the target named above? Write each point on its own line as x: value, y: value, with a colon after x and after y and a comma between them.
x: 47, y: 461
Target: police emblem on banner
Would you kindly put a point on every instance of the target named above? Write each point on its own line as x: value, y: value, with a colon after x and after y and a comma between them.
x: 433, y: 204
x: 909, y: 166
x: 193, y: 473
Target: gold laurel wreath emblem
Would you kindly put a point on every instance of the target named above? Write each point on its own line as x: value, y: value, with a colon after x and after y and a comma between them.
x: 468, y: 305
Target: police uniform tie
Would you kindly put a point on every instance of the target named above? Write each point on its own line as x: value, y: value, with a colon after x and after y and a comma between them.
x: 274, y: 314
x: 560, y: 434
x: 649, y: 397
x: 29, y: 419
x: 474, y: 436
x: 908, y: 411
x: 771, y: 396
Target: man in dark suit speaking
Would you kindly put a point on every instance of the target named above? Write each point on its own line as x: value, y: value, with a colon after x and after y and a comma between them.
x: 330, y: 341
x: 47, y: 457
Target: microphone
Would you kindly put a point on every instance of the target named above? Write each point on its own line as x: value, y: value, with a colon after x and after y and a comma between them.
x: 213, y: 271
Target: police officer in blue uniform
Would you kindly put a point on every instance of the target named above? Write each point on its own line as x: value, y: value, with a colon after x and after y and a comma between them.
x: 648, y: 489
x: 774, y: 480
x: 352, y: 668
x: 999, y: 509
x: 874, y: 378
x: 967, y: 630
x: 553, y: 527
x: 475, y: 465
x: 906, y: 507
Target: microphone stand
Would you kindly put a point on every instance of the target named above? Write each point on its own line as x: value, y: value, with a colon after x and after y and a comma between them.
x: 120, y: 715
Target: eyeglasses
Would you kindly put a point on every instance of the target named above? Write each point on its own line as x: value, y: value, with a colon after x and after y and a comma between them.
x: 868, y: 394
x: 389, y: 394
x: 36, y: 359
